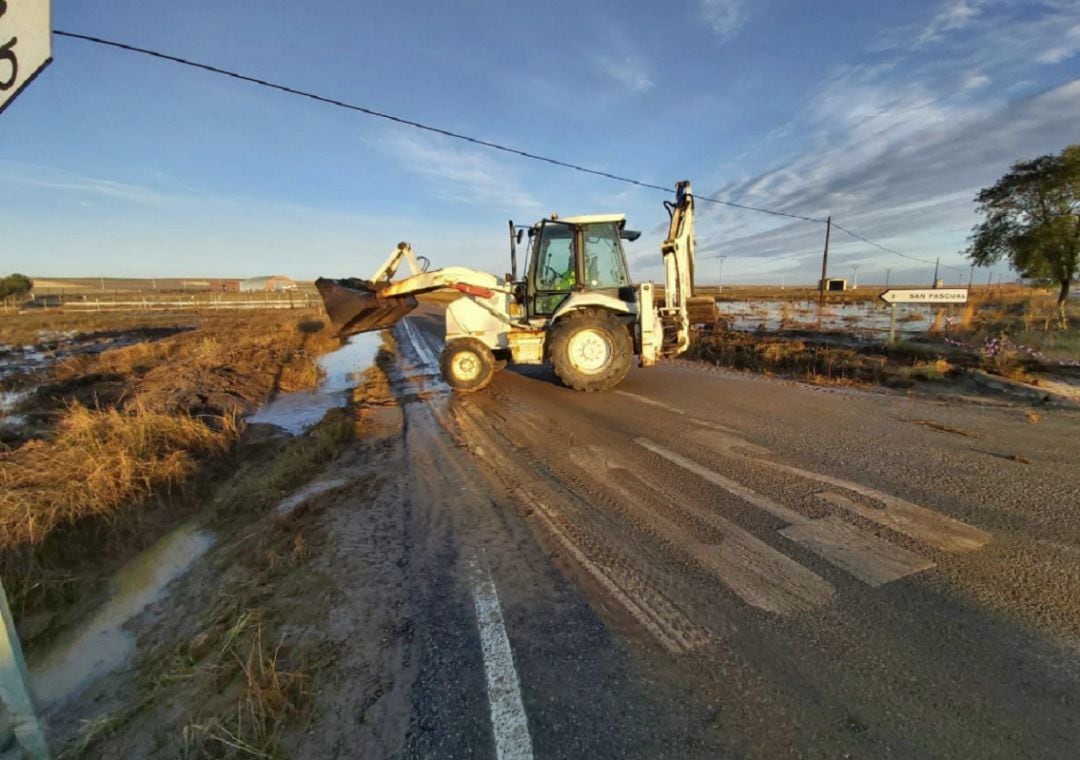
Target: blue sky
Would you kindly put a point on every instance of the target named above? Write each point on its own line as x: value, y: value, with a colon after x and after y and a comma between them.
x: 888, y: 116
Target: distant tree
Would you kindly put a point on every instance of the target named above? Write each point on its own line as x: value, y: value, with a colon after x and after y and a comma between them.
x: 1033, y: 219
x: 15, y: 285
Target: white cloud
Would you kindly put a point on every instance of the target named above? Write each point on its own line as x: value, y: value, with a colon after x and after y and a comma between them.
x: 724, y: 16
x: 628, y: 71
x: 974, y: 81
x: 956, y: 14
x: 85, y: 187
x: 891, y: 162
x: 1064, y: 51
x: 462, y: 175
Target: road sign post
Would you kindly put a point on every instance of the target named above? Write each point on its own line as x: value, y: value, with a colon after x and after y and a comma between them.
x: 920, y: 295
x: 15, y: 688
x: 25, y: 44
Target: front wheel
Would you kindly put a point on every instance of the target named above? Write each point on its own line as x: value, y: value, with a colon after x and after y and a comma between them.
x: 590, y: 350
x: 467, y: 365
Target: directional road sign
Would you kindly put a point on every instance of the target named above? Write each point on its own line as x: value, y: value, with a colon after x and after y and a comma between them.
x: 926, y: 295
x: 25, y: 44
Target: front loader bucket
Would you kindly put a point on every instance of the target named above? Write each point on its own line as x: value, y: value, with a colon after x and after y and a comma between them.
x: 355, y: 306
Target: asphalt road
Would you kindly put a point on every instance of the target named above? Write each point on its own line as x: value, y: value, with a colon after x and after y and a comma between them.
x: 710, y: 564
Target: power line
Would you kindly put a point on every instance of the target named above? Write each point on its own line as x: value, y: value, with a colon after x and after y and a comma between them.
x: 455, y: 135
x: 891, y: 250
x: 416, y: 124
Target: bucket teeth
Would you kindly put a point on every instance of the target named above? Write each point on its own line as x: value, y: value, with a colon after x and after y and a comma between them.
x: 355, y: 306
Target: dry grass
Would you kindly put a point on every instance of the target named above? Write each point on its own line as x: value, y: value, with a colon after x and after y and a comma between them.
x: 98, y: 461
x: 819, y: 364
x: 122, y: 442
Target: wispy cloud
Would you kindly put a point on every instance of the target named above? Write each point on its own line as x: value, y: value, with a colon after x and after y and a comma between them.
x: 956, y: 14
x: 724, y: 16
x: 461, y: 175
x: 1066, y: 50
x: 895, y: 164
x: 628, y: 71
x: 87, y: 188
x: 976, y: 80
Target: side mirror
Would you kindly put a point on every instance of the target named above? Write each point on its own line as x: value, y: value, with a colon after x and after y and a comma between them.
x: 520, y: 234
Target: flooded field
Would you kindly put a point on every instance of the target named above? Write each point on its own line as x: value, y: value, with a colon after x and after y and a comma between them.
x: 867, y: 320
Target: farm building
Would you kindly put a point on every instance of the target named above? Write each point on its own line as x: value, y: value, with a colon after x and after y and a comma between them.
x: 269, y: 283
x: 224, y: 286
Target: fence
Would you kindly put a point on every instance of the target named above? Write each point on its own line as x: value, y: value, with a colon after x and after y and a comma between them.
x: 139, y: 301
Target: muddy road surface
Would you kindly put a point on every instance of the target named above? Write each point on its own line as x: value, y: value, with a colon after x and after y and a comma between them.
x: 706, y: 564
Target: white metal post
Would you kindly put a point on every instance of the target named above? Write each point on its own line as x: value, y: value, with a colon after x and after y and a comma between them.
x: 15, y: 687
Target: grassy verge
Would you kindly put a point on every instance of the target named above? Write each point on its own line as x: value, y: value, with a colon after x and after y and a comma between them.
x: 124, y: 443
x: 239, y: 672
x: 899, y: 366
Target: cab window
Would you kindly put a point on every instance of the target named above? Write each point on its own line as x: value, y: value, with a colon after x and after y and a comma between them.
x: 604, y: 263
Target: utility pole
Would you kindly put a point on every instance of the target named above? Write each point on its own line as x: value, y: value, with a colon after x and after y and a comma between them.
x: 888, y: 273
x: 854, y: 276
x: 971, y: 276
x: 937, y: 265
x: 721, y: 285
x: 825, y: 260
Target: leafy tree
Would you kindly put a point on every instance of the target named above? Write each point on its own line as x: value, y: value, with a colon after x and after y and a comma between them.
x: 15, y: 285
x: 1032, y: 217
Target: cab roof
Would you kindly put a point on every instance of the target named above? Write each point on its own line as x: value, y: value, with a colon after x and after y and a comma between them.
x: 590, y: 219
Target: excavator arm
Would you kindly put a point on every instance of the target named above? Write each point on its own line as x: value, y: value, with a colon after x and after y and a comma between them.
x: 665, y: 327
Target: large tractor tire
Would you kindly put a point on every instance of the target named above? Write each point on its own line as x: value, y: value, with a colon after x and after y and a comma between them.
x: 467, y: 365
x: 590, y: 350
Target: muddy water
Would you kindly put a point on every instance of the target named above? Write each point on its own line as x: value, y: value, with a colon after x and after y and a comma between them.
x: 343, y: 369
x: 101, y: 644
x: 871, y: 319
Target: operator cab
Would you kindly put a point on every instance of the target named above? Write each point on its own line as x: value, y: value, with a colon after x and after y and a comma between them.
x: 576, y: 254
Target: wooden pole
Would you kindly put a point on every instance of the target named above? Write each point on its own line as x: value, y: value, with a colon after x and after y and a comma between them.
x: 825, y: 260
x: 15, y: 688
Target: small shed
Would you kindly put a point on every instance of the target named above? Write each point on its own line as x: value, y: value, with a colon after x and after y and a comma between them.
x: 267, y: 284
x: 834, y: 284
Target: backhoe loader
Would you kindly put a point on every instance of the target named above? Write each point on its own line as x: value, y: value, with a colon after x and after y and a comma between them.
x: 575, y: 307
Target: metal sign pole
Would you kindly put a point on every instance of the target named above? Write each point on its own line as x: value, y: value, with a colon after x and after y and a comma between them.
x: 15, y: 688
x: 892, y: 325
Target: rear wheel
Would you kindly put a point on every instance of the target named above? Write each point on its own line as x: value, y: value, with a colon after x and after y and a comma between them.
x: 466, y: 365
x: 590, y: 350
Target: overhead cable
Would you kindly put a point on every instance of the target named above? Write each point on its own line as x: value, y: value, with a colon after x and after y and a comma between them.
x: 451, y: 134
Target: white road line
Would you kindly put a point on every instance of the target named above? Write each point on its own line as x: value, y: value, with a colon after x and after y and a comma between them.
x: 418, y: 344
x: 508, y: 722
x: 865, y: 556
x: 675, y: 410
x: 776, y: 509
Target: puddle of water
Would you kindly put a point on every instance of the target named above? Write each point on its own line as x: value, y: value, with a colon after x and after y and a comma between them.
x: 288, y: 506
x: 860, y: 317
x: 344, y: 368
x: 102, y: 644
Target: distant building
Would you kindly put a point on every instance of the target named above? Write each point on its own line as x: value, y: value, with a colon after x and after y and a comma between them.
x: 269, y: 283
x: 833, y: 284
x: 224, y: 286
